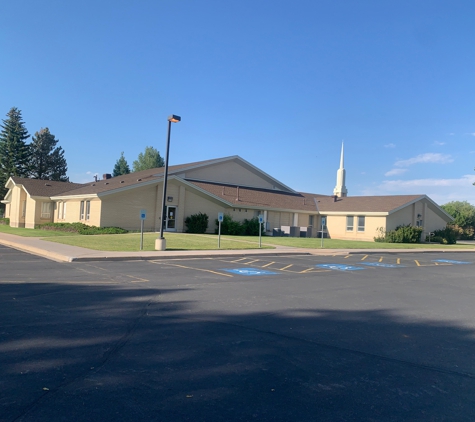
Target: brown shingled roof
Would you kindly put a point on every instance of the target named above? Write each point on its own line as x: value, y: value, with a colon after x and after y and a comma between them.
x: 37, y: 187
x: 266, y: 198
x: 258, y: 197
x: 354, y: 204
x: 135, y: 178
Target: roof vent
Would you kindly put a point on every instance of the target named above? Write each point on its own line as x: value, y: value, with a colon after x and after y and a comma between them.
x: 139, y: 180
x: 93, y: 184
x: 106, y: 176
x: 335, y: 198
x: 47, y: 184
x: 106, y: 183
x: 121, y: 181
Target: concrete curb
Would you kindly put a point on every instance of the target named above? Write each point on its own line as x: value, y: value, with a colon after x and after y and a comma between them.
x: 67, y: 253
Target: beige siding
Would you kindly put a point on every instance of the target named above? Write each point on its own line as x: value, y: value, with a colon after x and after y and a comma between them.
x: 229, y: 172
x: 433, y: 222
x: 195, y: 203
x: 72, y: 210
x: 123, y: 209
x: 430, y: 220
x: 336, y: 226
x: 273, y: 219
x: 33, y: 213
x: 303, y: 220
x: 17, y: 196
x: 241, y: 214
x: 405, y: 216
x: 286, y: 219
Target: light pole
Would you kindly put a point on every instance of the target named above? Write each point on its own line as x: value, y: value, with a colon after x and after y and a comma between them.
x: 161, y: 243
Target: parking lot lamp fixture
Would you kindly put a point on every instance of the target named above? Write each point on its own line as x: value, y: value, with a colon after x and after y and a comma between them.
x: 160, y: 243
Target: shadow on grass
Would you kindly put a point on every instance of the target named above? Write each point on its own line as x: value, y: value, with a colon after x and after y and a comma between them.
x: 91, y: 350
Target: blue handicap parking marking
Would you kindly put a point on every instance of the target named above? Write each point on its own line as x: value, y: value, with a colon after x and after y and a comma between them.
x: 450, y: 261
x: 340, y: 267
x: 248, y: 271
x: 380, y: 264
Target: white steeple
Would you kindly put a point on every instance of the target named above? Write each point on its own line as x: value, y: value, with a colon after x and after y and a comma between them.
x: 340, y: 188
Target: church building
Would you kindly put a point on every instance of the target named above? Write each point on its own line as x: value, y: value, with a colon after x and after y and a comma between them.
x: 230, y: 185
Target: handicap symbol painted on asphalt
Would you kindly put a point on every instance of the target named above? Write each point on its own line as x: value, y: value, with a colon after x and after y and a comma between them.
x: 248, y: 271
x: 340, y: 267
x: 450, y: 261
x: 381, y: 264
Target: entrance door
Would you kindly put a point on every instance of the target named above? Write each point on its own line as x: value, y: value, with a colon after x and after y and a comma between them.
x: 171, y: 219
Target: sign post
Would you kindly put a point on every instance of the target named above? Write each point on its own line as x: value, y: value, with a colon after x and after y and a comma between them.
x: 324, y: 221
x: 143, y: 216
x: 261, y: 220
x: 220, y: 220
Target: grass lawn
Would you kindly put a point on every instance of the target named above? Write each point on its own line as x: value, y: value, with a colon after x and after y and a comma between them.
x: 182, y: 241
x: 313, y: 243
x: 32, y: 233
x: 175, y: 241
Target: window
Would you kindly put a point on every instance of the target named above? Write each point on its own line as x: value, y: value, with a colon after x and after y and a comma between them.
x: 88, y: 209
x: 46, y: 210
x: 81, y: 211
x: 350, y: 222
x: 419, y: 223
x: 310, y: 220
x: 361, y: 221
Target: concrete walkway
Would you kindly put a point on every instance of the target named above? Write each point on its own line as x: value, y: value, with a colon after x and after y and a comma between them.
x: 67, y: 253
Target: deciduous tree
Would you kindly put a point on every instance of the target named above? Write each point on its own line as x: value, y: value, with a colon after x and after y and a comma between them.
x: 149, y: 159
x: 464, y: 217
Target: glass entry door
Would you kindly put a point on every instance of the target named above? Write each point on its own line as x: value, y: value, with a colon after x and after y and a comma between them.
x: 171, y: 218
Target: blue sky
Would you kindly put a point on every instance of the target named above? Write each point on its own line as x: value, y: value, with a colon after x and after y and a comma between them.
x: 279, y: 83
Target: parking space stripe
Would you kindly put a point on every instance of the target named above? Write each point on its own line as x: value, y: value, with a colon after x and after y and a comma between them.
x: 380, y: 259
x: 270, y: 263
x: 398, y: 261
x: 288, y: 266
x: 193, y: 268
x: 417, y: 262
x: 238, y: 260
x: 366, y: 256
x: 250, y: 262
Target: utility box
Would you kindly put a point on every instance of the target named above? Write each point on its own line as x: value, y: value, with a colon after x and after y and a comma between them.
x: 294, y: 231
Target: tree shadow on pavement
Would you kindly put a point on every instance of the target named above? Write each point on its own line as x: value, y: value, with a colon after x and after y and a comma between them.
x: 126, y: 352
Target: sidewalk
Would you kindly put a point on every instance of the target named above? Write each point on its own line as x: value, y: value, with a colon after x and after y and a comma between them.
x: 67, y: 253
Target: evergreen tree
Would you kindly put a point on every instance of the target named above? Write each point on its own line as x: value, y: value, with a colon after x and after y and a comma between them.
x: 13, y: 148
x: 121, y: 166
x: 47, y: 161
x: 149, y: 159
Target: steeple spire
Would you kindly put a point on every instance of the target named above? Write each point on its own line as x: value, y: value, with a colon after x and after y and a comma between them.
x: 340, y: 188
x: 342, y: 156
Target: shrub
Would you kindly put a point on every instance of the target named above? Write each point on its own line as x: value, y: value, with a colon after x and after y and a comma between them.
x: 251, y: 227
x: 229, y: 226
x: 235, y: 228
x: 81, y: 228
x: 447, y: 236
x: 5, y: 221
x: 196, y: 223
x: 402, y: 234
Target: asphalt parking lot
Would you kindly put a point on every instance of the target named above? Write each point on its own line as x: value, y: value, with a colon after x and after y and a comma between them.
x: 370, y: 337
